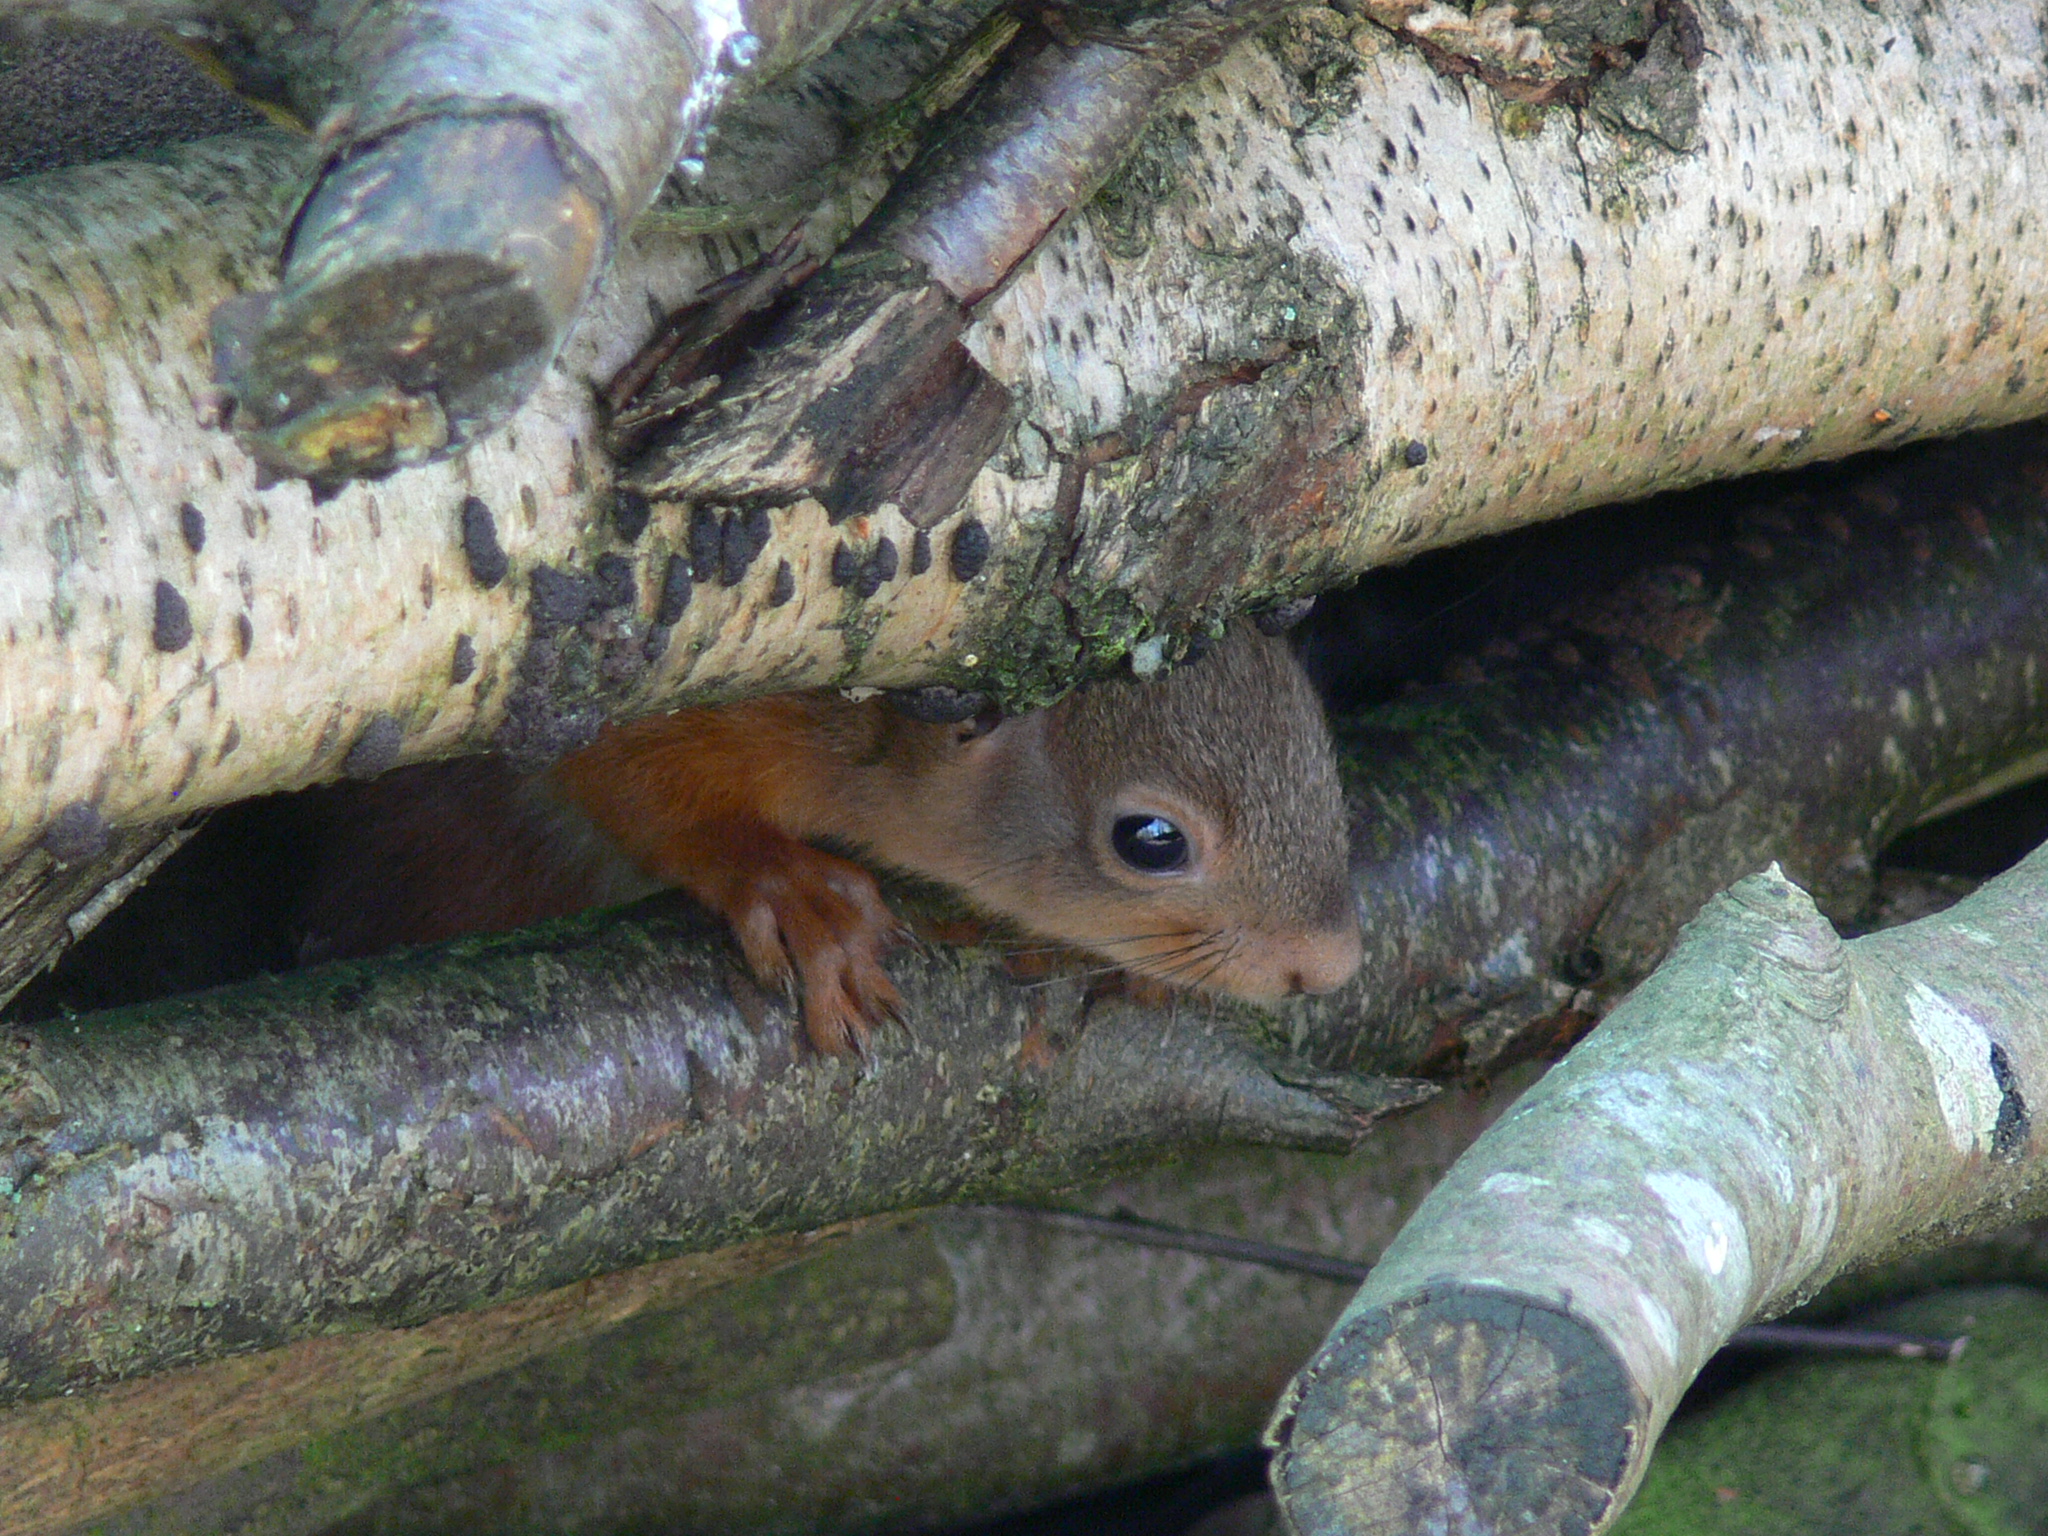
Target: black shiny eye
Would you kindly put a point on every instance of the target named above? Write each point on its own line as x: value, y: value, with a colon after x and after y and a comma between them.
x: 1150, y: 843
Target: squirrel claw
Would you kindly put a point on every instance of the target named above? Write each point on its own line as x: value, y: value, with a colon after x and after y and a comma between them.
x: 816, y: 918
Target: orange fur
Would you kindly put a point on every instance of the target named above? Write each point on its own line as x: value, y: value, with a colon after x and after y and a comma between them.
x: 715, y: 802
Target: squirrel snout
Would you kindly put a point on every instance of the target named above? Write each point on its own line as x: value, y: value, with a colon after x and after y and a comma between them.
x: 1274, y: 966
x: 1327, y: 960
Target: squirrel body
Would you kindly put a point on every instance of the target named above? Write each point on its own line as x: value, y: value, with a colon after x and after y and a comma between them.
x: 1190, y: 829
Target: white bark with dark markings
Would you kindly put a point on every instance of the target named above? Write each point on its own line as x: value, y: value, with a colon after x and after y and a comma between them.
x: 1220, y: 378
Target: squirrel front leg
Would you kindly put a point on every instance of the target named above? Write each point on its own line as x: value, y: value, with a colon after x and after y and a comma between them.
x: 800, y: 915
x: 694, y: 800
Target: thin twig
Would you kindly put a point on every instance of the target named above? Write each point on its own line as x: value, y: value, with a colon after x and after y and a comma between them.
x: 1126, y: 1227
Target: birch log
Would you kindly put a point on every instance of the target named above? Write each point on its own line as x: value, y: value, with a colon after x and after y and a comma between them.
x: 1241, y: 373
x: 412, y: 317
x: 1771, y: 1108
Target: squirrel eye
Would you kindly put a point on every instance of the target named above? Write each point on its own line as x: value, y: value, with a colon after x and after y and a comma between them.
x: 1150, y: 843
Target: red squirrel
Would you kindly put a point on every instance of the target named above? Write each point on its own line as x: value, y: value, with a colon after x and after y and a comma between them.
x: 1189, y: 829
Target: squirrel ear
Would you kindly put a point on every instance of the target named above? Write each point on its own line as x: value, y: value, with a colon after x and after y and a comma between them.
x: 973, y: 730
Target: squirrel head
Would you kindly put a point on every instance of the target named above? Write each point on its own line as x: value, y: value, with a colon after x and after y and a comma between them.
x: 1190, y: 828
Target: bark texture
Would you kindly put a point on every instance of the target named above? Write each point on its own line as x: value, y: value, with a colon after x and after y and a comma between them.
x: 76, y: 1458
x: 363, y: 1145
x: 1770, y: 1108
x: 784, y: 1402
x: 1229, y: 379
x: 224, y: 622
x: 143, y: 93
x: 1691, y: 689
x: 413, y: 318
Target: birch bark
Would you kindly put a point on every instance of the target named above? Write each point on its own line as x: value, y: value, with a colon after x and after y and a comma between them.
x: 1240, y: 373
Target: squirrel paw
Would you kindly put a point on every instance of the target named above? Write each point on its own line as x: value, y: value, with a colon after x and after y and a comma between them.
x: 816, y: 918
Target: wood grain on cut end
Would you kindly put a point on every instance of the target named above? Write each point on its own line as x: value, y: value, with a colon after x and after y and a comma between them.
x: 1460, y: 1410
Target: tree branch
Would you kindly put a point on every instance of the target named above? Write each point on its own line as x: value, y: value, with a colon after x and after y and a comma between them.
x: 1770, y: 1108
x: 1683, y: 692
x: 412, y: 319
x: 965, y: 1334
x: 386, y: 1144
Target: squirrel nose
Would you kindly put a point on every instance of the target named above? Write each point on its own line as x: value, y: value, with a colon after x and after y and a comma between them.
x: 1325, y: 961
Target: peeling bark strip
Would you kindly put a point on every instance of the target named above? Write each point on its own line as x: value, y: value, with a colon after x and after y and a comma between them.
x: 1771, y: 1108
x: 55, y: 895
x: 896, y: 412
x: 490, y: 1120
x: 1215, y: 374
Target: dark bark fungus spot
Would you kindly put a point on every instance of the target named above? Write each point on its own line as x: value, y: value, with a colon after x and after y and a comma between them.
x: 920, y: 553
x: 1581, y: 967
x: 676, y: 590
x: 970, y: 550
x: 77, y: 832
x: 487, y: 562
x: 463, y: 664
x: 630, y: 512
x: 375, y: 750
x: 745, y: 538
x: 614, y: 581
x: 170, y: 628
x: 2014, y: 1125
x: 1278, y: 620
x: 879, y: 566
x: 938, y: 704
x: 245, y: 635
x: 561, y: 598
x: 537, y: 731
x: 733, y: 555
x: 707, y: 542
x: 192, y: 526
x: 783, y: 588
x: 1416, y: 454
x: 845, y: 565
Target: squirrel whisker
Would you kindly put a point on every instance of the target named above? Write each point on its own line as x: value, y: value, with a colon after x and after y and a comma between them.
x: 1098, y: 941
